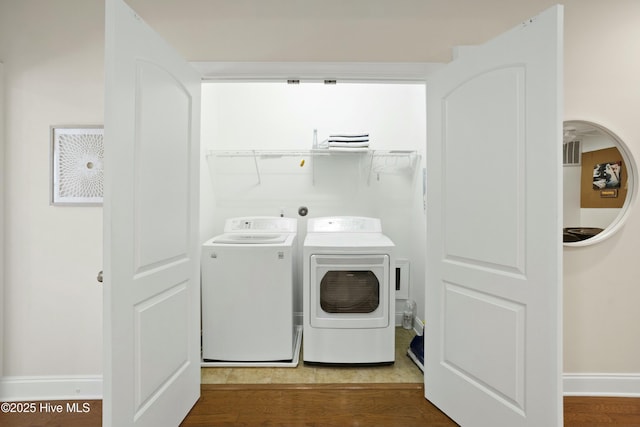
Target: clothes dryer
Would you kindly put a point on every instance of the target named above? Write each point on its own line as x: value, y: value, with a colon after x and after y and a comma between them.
x: 348, y: 292
x: 247, y: 291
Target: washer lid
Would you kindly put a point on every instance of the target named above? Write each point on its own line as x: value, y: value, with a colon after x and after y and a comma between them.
x: 252, y: 239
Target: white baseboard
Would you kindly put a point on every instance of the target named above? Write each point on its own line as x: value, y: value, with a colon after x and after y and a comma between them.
x: 418, y: 326
x: 619, y: 385
x: 77, y: 387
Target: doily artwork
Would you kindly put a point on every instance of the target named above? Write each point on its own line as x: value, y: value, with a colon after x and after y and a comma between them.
x: 77, y: 165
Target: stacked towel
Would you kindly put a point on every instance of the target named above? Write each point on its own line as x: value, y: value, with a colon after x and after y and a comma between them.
x: 348, y: 141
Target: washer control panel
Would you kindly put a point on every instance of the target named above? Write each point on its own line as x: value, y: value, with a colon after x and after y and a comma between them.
x: 261, y: 224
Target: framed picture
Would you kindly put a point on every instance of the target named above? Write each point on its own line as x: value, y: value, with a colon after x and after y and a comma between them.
x: 77, y: 154
x: 607, y: 175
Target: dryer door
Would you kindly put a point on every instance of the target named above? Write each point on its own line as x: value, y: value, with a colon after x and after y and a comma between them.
x: 349, y: 291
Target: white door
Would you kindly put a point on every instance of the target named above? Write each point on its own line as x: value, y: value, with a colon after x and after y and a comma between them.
x: 493, y: 305
x: 151, y: 248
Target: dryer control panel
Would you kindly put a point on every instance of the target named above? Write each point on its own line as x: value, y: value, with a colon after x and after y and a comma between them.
x: 344, y: 224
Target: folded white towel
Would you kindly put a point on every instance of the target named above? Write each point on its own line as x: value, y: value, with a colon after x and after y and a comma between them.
x: 349, y: 135
x: 348, y: 140
x: 349, y: 144
x: 349, y: 149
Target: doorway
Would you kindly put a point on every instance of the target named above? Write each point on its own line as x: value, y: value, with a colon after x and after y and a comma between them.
x: 258, y: 159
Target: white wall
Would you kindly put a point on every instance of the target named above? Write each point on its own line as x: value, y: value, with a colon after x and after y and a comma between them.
x: 601, y: 289
x: 2, y: 190
x: 53, y: 74
x: 277, y: 116
x: 52, y: 52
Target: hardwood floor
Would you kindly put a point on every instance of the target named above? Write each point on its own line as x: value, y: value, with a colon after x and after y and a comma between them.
x: 327, y: 405
x: 368, y: 405
x: 601, y: 411
x: 58, y: 413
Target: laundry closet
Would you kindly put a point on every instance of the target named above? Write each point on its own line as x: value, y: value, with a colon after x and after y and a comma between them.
x: 493, y: 252
x: 259, y: 159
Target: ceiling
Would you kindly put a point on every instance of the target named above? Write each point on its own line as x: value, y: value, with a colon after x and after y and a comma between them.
x: 331, y: 30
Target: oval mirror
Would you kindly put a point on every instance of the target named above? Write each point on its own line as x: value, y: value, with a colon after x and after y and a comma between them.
x: 600, y: 182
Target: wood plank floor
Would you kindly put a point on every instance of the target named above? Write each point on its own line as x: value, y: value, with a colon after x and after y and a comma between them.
x: 46, y: 414
x: 329, y: 405
x: 601, y: 411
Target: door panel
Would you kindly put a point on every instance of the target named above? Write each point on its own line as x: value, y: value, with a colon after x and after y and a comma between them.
x: 497, y: 367
x: 154, y: 372
x: 492, y: 183
x: 162, y: 184
x: 151, y: 288
x: 494, y: 249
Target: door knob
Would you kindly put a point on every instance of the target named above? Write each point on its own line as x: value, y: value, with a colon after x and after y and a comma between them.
x: 99, y: 278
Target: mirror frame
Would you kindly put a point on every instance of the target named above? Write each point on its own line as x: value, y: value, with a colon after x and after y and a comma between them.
x: 632, y: 187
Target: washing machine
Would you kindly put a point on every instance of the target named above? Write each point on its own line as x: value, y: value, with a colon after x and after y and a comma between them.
x: 248, y: 276
x: 348, y: 296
